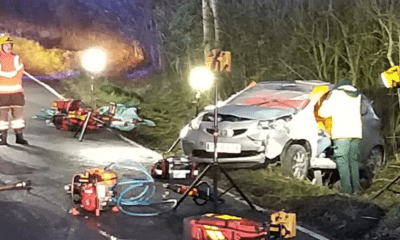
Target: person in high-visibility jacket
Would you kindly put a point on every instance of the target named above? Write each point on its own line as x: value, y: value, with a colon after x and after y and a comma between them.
x: 12, y: 97
x: 344, y: 106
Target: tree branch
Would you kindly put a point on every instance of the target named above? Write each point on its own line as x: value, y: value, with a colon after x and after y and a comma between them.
x: 390, y: 47
x: 291, y: 69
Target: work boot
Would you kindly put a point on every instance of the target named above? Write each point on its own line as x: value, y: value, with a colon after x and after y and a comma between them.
x: 20, y: 138
x: 3, y: 138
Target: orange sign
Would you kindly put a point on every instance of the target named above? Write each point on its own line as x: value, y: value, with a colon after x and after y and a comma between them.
x: 219, y: 61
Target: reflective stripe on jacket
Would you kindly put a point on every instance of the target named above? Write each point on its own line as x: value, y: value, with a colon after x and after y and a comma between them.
x: 345, y: 111
x: 11, y: 71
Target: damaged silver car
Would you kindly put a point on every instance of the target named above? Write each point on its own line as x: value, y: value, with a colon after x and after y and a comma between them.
x: 277, y: 121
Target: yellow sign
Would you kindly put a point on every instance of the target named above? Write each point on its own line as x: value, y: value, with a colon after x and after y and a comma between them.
x: 219, y: 61
x: 391, y: 77
x: 224, y: 216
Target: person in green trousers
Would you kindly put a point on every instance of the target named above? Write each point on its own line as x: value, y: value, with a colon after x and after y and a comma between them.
x: 344, y: 106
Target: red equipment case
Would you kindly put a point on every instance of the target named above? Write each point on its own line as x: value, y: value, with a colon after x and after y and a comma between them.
x: 71, y: 117
x: 67, y: 105
x: 174, y: 167
x: 219, y: 226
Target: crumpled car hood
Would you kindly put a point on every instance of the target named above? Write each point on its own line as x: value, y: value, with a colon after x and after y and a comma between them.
x: 254, y: 112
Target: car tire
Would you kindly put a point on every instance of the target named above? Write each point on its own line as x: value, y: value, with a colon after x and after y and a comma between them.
x: 295, y: 162
x: 374, y: 162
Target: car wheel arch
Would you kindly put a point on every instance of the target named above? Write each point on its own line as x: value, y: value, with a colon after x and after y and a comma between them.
x: 301, y: 142
x: 383, y: 153
x: 286, y: 165
x: 381, y: 150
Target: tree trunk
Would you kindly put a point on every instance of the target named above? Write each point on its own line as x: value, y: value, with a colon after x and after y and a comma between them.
x: 207, y: 27
x: 214, y: 8
x: 350, y: 60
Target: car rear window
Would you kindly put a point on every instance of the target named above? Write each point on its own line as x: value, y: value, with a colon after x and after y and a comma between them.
x: 273, y: 96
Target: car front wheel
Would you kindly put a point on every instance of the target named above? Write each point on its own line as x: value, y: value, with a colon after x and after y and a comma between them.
x: 295, y: 162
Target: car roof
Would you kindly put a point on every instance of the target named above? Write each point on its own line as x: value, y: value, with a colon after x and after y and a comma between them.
x: 301, y: 86
x: 296, y: 85
x: 298, y: 90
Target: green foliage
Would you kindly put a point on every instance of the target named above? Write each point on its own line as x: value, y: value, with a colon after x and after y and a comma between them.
x: 104, y: 91
x: 168, y: 102
x: 390, y: 225
x: 180, y: 25
x: 386, y: 176
x: 39, y: 60
x: 278, y: 40
x: 270, y: 188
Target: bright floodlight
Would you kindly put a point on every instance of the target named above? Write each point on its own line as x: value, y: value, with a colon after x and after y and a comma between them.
x: 201, y: 78
x: 94, y: 60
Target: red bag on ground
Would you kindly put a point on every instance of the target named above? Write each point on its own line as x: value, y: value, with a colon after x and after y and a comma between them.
x: 220, y: 226
x: 67, y: 105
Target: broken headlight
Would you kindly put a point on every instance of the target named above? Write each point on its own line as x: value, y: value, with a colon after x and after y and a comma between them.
x: 195, y: 123
x: 278, y: 124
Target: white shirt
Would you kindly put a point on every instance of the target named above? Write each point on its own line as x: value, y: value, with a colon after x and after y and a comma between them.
x: 345, y: 111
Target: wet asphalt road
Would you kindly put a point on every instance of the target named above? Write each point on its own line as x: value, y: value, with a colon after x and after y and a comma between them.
x: 50, y: 161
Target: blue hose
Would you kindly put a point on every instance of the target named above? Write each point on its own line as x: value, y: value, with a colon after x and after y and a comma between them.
x: 143, y: 198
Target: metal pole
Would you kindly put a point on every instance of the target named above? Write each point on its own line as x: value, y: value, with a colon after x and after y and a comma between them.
x: 197, y: 102
x: 215, y: 160
x: 173, y: 145
x: 194, y: 184
x: 92, y: 88
x: 85, y: 125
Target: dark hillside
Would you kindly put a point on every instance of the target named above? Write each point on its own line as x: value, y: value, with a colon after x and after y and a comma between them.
x: 125, y: 30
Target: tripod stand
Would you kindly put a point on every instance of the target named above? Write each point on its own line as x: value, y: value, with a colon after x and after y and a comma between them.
x: 215, y: 166
x: 111, y: 112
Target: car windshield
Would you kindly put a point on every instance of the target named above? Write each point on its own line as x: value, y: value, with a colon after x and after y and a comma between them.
x: 279, y: 95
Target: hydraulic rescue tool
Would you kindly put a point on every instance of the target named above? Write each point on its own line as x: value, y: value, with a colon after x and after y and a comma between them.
x: 213, y: 226
x: 20, y: 185
x: 201, y: 194
x: 98, y: 189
